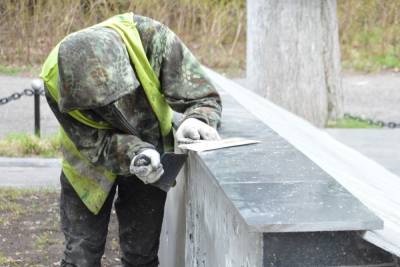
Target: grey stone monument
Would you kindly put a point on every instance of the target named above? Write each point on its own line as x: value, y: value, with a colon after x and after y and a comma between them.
x: 293, y: 56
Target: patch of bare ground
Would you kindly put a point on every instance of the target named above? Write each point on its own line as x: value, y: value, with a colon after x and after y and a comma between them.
x: 30, y: 232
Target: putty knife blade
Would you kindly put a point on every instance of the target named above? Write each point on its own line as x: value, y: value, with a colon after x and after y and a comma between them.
x: 205, y: 145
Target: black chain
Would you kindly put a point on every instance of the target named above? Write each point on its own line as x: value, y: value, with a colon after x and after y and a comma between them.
x: 16, y: 96
x: 379, y: 123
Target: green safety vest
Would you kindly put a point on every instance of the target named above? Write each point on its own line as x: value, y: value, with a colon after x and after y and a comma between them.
x: 93, y: 183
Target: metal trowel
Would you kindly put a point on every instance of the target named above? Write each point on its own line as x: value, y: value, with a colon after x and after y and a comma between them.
x: 172, y: 164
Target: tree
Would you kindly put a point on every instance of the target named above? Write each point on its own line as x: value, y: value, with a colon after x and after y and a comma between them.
x: 293, y: 56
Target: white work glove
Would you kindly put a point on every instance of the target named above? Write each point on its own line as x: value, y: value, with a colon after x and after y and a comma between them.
x: 193, y: 129
x: 147, y: 166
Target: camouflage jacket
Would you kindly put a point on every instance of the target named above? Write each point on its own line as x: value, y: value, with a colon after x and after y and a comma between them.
x: 183, y: 83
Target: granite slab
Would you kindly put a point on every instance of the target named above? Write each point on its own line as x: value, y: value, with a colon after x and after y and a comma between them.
x: 275, y: 187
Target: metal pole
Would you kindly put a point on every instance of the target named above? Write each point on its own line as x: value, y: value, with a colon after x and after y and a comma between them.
x: 37, y: 86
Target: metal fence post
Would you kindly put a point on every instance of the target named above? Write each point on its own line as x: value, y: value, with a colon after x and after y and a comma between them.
x: 37, y: 87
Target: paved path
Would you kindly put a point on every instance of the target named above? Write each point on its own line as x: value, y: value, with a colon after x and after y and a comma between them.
x: 381, y: 145
x: 376, y: 96
x: 29, y: 172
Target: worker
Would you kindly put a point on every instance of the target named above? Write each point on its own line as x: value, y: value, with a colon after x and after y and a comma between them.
x: 113, y: 87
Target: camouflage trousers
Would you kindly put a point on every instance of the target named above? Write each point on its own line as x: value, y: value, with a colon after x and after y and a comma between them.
x: 139, y: 209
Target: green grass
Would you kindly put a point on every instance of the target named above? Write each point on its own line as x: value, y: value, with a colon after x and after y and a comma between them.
x: 372, y: 48
x: 6, y: 261
x: 10, y: 70
x: 10, y: 209
x: 351, y: 123
x: 367, y: 62
x: 29, y: 226
x: 27, y: 145
x: 388, y: 61
x: 44, y: 240
x: 32, y: 71
x: 10, y: 197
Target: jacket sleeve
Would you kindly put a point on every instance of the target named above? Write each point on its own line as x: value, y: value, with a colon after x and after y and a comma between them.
x: 114, y: 149
x: 186, y: 86
x: 108, y: 148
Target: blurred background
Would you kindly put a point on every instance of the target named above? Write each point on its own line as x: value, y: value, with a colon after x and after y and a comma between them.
x: 369, y: 30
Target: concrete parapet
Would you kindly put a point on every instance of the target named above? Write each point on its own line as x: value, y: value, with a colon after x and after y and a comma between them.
x: 230, y: 205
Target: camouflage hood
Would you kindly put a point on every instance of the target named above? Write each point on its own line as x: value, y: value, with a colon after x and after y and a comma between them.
x: 94, y: 69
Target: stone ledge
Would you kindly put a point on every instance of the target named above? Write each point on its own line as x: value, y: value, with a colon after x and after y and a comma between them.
x: 274, y: 186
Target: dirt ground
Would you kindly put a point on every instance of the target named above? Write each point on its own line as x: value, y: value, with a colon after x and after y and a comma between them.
x: 30, y: 233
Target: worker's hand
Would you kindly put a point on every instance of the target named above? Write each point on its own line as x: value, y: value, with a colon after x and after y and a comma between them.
x: 193, y: 129
x: 147, y: 166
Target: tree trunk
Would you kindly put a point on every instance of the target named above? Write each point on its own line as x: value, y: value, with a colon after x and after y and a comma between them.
x: 293, y: 56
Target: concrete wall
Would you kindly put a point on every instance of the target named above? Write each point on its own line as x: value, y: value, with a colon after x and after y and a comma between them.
x: 202, y: 227
x: 376, y: 187
x: 216, y: 233
x: 217, y: 213
x: 172, y: 241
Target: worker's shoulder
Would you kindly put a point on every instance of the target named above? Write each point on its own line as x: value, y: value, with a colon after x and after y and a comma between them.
x: 146, y: 24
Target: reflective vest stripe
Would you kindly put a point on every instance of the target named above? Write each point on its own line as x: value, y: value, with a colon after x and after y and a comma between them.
x: 91, y: 183
x: 124, y: 25
x: 49, y: 75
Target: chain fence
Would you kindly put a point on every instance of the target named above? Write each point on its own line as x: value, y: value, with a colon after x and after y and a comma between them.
x: 36, y: 91
x: 18, y: 95
x: 379, y: 123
